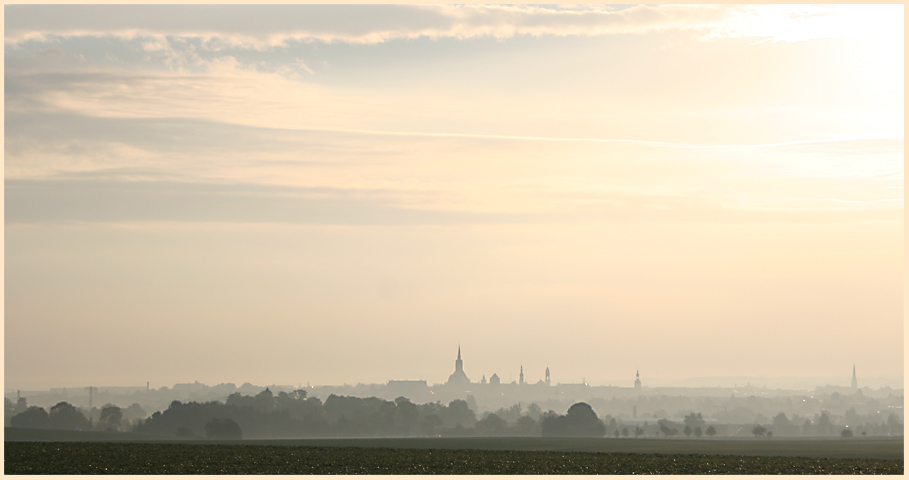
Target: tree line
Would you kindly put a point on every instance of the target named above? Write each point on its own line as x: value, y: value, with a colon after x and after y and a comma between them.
x: 296, y: 415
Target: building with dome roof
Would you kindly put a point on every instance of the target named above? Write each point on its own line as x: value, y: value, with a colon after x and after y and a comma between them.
x: 458, y: 378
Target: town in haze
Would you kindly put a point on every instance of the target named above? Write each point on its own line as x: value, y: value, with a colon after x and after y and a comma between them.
x: 489, y: 406
x: 452, y: 222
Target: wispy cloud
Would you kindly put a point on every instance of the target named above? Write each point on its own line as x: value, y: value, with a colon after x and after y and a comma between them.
x: 263, y: 27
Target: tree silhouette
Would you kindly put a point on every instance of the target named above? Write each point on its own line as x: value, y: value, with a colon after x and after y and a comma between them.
x: 694, y: 420
x: 759, y: 430
x: 492, y: 425
x: 64, y: 416
x: 32, y: 417
x: 223, y: 429
x: 579, y: 421
x: 710, y: 431
x: 110, y: 419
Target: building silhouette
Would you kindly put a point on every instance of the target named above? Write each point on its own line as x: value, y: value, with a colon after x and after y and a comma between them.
x: 547, y: 376
x: 458, y: 378
x: 637, y: 380
x: 854, y: 379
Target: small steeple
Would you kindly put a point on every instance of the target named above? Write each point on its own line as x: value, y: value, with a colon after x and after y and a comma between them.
x: 854, y: 379
x: 521, y: 378
x: 459, y: 351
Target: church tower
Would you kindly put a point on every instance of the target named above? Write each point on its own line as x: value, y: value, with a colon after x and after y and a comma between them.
x: 854, y: 379
x: 547, y: 376
x: 637, y: 380
x: 459, y: 365
x: 458, y: 377
x: 521, y: 378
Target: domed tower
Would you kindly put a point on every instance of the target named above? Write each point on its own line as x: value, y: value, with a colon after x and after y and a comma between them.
x: 458, y: 377
x: 637, y: 380
x: 547, y: 376
x: 521, y: 378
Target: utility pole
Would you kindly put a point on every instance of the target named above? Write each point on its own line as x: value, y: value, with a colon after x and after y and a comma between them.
x: 90, y: 389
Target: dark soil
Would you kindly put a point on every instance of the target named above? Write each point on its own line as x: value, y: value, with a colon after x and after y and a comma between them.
x: 51, y: 458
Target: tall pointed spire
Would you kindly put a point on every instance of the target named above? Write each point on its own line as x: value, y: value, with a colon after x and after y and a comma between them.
x: 854, y: 379
x: 459, y: 377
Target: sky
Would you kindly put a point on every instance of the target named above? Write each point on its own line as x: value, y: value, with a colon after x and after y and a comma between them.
x: 329, y: 194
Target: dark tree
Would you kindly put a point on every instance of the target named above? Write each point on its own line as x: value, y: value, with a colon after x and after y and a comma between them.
x: 32, y: 417
x: 110, y: 419
x: 527, y: 426
x: 458, y: 413
x: 265, y: 401
x: 21, y: 406
x: 64, y: 416
x: 8, y: 409
x: 759, y: 431
x: 694, y: 420
x: 223, y: 429
x: 492, y: 425
x: 666, y: 428
x: 430, y: 424
x: 710, y: 431
x: 688, y: 431
x: 824, y: 426
x: 580, y: 421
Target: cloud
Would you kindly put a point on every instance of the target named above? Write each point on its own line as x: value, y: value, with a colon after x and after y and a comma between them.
x: 93, y: 198
x: 262, y: 27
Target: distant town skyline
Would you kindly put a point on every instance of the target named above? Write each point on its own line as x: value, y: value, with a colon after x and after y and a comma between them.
x: 342, y: 193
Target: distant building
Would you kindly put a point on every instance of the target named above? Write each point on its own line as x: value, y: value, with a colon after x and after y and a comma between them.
x: 483, y: 380
x: 494, y: 379
x: 408, y: 388
x: 854, y: 379
x: 547, y: 376
x: 458, y: 378
x: 637, y: 380
x: 521, y: 378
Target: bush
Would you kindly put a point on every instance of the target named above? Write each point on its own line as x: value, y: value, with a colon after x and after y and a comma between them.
x: 223, y: 429
x: 32, y: 417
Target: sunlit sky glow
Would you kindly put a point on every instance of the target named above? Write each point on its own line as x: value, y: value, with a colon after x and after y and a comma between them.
x: 329, y: 194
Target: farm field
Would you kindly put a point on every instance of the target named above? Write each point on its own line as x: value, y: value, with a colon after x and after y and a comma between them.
x: 58, y: 452
x: 52, y: 458
x: 874, y: 447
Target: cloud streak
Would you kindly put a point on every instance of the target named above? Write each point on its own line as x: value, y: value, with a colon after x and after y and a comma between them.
x: 263, y: 27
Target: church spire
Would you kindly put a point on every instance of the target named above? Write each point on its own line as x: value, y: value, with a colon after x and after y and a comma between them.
x: 854, y: 379
x: 459, y: 351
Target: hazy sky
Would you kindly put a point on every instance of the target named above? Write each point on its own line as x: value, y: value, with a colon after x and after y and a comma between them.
x: 330, y: 194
